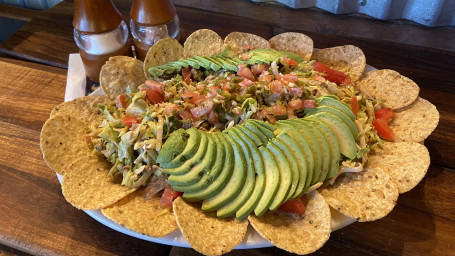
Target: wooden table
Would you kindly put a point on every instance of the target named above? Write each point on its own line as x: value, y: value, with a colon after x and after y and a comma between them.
x: 36, y: 219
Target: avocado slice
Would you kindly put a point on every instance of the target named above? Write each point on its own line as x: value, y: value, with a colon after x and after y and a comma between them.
x: 339, y: 114
x: 220, y: 182
x: 226, y: 65
x: 251, y: 135
x: 305, y: 147
x: 193, y: 63
x: 266, y: 129
x: 334, y: 102
x: 173, y: 147
x: 192, y: 138
x: 210, y: 176
x: 190, y: 163
x: 299, y: 159
x: 259, y: 186
x: 290, y: 156
x: 285, y: 176
x: 232, y: 206
x: 255, y: 130
x: 310, y: 137
x: 333, y: 144
x: 199, y: 170
x: 235, y: 183
x: 272, y: 181
x: 325, y: 149
x: 348, y: 146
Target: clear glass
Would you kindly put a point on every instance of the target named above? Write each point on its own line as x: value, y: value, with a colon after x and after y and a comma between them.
x: 104, y: 43
x: 149, y: 35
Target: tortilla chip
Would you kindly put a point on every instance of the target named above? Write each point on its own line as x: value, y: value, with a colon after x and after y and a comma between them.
x: 83, y: 108
x: 62, y: 141
x: 398, y: 91
x: 205, y: 232
x: 202, y: 42
x: 241, y: 42
x: 415, y: 122
x: 297, y: 235
x: 149, y: 217
x: 348, y: 59
x: 119, y: 72
x: 164, y: 51
x: 293, y: 42
x: 87, y: 186
x: 366, y: 196
x: 406, y: 162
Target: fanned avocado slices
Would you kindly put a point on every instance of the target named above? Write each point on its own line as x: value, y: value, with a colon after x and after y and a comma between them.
x: 272, y: 181
x: 200, y: 169
x: 334, y: 102
x: 285, y: 176
x: 339, y: 114
x: 212, y: 174
x: 234, y: 185
x: 232, y: 206
x: 190, y: 163
x: 227, y: 163
x: 190, y: 139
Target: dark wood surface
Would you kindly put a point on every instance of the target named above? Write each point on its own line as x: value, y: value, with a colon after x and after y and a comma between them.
x: 36, y: 219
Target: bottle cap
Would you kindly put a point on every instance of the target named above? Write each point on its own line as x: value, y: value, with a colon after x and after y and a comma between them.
x: 152, y: 12
x: 97, y: 16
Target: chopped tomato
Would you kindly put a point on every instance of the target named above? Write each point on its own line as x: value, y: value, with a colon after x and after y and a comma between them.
x: 120, y: 101
x: 287, y: 62
x: 331, y: 74
x: 154, y: 96
x: 245, y: 72
x: 301, y: 104
x: 258, y: 69
x: 130, y: 120
x: 290, y: 77
x: 203, y: 109
x: 244, y: 56
x: 186, y: 115
x: 154, y: 85
x: 170, y: 109
x: 277, y: 110
x: 168, y: 196
x: 276, y: 86
x: 246, y: 82
x: 293, y: 63
x: 384, y: 113
x: 384, y: 129
x: 265, y: 77
x: 354, y: 105
x: 295, y: 206
x: 186, y: 75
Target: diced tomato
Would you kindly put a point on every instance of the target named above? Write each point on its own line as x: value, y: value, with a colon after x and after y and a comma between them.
x: 170, y: 109
x: 246, y: 82
x: 290, y: 77
x: 331, y: 74
x: 295, y: 206
x: 276, y: 86
x: 258, y: 69
x: 186, y: 115
x: 213, y: 92
x: 265, y: 77
x: 244, y: 56
x: 130, y: 120
x: 293, y: 63
x: 203, y: 109
x: 384, y: 113
x: 154, y: 96
x: 168, y: 196
x: 120, y: 101
x: 384, y: 129
x: 154, y: 85
x: 301, y: 104
x: 245, y: 72
x: 354, y: 105
x: 186, y: 75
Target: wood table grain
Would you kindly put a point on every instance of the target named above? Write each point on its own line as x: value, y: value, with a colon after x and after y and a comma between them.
x: 37, y: 220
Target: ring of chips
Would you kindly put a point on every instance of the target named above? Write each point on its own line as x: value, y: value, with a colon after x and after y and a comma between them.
x: 395, y: 167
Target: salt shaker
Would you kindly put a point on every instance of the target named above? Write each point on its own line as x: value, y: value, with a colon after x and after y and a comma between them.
x: 152, y: 20
x: 100, y: 33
